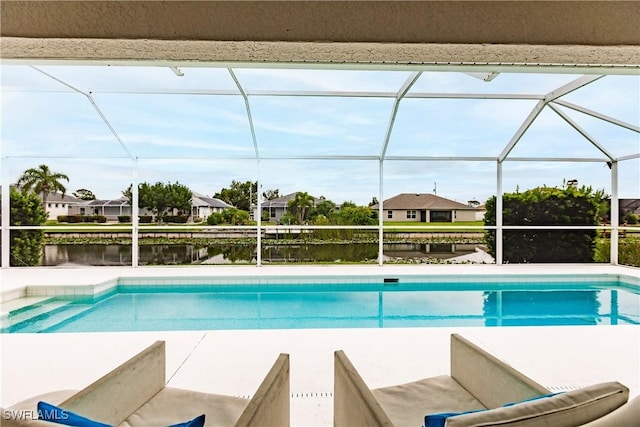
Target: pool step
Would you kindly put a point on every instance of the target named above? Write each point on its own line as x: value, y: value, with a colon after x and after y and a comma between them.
x: 45, y: 323
x: 19, y: 310
x: 39, y: 315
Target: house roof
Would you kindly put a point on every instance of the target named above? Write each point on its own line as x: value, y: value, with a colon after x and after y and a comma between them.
x: 202, y: 200
x: 283, y: 201
x: 53, y: 197
x: 57, y: 197
x: 115, y: 202
x: 423, y: 201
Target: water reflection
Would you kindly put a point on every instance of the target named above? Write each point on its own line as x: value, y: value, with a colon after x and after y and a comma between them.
x: 539, y: 308
x: 113, y: 254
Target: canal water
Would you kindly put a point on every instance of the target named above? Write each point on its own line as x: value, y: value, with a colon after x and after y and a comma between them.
x: 114, y: 254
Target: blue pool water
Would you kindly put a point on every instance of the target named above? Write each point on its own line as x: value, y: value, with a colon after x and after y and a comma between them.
x: 331, y: 305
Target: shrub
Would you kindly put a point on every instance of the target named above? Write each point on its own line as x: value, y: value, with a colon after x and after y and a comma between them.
x: 145, y: 219
x: 628, y: 251
x: 287, y: 219
x: 124, y: 218
x: 100, y: 219
x: 546, y: 206
x: 215, y: 219
x: 177, y: 219
x: 631, y: 218
x: 235, y: 216
x: 26, y: 245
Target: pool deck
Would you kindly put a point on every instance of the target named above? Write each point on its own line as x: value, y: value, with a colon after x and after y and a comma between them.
x: 234, y: 362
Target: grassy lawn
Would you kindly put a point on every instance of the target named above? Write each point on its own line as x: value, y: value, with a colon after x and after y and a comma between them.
x: 434, y: 226
x: 389, y: 226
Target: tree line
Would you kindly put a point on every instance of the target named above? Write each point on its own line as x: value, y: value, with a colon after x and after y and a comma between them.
x: 161, y: 198
x: 568, y: 206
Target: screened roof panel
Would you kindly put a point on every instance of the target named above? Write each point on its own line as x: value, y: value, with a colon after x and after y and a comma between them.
x: 54, y: 125
x: 180, y: 125
x: 455, y: 180
x: 629, y: 185
x: 305, y: 126
x: 520, y: 176
x: 551, y: 136
x: 98, y: 79
x: 618, y: 140
x: 205, y: 176
x: 254, y: 79
x: 446, y: 127
x: 106, y: 178
x: 202, y: 115
x: 28, y: 79
x: 616, y: 96
x: 515, y: 83
x: 336, y: 180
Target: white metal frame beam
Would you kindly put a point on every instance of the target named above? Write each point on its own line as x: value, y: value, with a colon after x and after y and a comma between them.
x: 597, y: 115
x: 582, y: 132
x: 551, y: 99
x: 410, y: 81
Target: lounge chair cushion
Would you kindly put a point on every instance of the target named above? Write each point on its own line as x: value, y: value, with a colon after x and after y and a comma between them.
x: 174, y: 405
x: 407, y: 404
x: 627, y: 415
x: 439, y: 420
x: 568, y: 409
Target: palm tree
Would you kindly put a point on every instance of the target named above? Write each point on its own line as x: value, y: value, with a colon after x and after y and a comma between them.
x: 43, y: 181
x: 300, y: 204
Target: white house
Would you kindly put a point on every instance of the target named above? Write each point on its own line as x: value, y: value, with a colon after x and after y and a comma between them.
x: 202, y: 206
x: 56, y: 204
x: 111, y: 209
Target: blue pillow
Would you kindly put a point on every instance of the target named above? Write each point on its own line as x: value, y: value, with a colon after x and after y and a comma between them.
x: 438, y: 420
x: 48, y: 412
x: 531, y: 399
x: 196, y: 422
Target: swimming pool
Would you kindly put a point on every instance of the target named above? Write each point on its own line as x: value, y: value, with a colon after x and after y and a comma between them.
x: 336, y: 303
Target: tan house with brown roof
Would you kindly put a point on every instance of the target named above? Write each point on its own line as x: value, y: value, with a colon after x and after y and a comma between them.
x: 420, y: 207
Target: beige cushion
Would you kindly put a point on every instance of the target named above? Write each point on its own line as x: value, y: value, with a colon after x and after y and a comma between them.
x: 173, y: 405
x: 569, y: 409
x: 625, y: 416
x: 407, y: 404
x: 25, y: 413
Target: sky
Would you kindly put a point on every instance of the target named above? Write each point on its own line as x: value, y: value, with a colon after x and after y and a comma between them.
x: 194, y: 129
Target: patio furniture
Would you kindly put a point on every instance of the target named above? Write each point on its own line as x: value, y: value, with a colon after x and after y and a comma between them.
x: 134, y: 394
x: 478, y: 382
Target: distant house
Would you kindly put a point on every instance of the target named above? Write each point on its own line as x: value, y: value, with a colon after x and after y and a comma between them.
x: 202, y: 206
x: 280, y: 205
x: 111, y: 209
x: 419, y: 207
x: 480, y: 212
x: 56, y: 204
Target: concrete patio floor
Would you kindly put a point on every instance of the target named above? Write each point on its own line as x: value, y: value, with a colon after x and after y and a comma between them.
x: 234, y: 362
